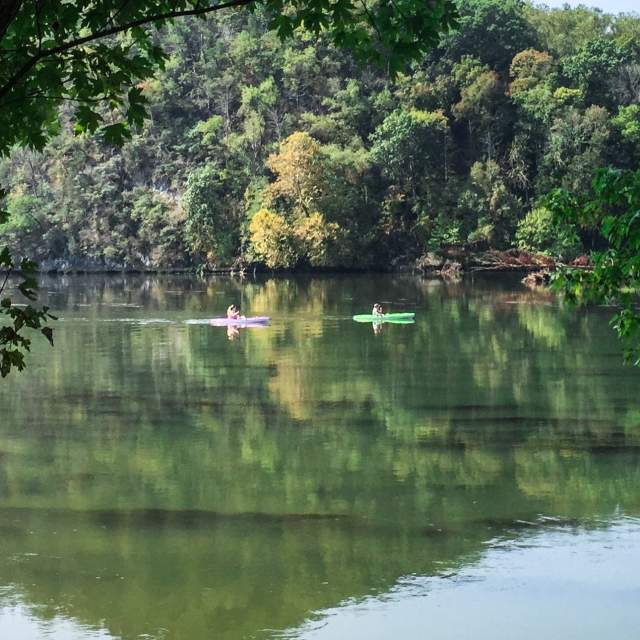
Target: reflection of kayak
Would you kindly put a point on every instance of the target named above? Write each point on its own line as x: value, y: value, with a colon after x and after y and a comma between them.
x: 398, y: 318
x: 255, y: 321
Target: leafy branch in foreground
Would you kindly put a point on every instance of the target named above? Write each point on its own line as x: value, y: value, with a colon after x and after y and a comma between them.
x: 613, y: 209
x: 13, y: 343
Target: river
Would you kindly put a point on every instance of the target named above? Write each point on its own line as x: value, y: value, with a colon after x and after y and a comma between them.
x: 475, y: 474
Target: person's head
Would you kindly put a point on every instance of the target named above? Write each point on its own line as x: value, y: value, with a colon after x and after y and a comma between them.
x: 232, y: 309
x: 377, y: 308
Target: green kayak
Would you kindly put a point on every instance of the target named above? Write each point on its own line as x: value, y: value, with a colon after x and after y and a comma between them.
x: 387, y: 317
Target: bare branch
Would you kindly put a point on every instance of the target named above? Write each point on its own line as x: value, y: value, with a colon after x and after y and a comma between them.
x: 6, y: 278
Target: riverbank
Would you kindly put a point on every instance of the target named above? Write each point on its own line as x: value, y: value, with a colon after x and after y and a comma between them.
x: 450, y: 262
x: 492, y: 260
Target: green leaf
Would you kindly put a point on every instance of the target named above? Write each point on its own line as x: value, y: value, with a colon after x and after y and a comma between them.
x: 47, y: 332
x: 116, y: 134
x: 5, y: 258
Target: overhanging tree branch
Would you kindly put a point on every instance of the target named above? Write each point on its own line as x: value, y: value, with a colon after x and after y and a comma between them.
x: 34, y: 60
x: 8, y: 11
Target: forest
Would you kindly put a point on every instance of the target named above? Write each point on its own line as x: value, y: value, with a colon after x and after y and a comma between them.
x: 290, y: 154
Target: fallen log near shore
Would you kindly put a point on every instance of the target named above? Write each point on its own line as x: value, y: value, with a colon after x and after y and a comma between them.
x: 512, y: 260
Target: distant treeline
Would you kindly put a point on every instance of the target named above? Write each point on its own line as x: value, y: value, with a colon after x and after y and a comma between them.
x: 289, y: 154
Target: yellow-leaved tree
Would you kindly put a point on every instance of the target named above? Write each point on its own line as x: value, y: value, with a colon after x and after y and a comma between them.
x: 273, y: 240
x: 300, y: 174
x: 291, y: 226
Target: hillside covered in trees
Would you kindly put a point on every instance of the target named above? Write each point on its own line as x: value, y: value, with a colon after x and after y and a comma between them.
x: 290, y: 154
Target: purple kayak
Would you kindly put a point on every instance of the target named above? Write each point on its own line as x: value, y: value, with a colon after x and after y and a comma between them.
x: 254, y: 321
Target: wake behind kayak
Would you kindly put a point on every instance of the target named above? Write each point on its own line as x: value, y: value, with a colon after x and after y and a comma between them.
x: 255, y: 321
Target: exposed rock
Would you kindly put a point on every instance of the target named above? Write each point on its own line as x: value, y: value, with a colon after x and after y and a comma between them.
x: 451, y: 270
x: 580, y: 261
x: 537, y: 279
x: 429, y: 262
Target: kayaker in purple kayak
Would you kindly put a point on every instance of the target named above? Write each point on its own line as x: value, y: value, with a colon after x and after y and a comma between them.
x: 233, y: 313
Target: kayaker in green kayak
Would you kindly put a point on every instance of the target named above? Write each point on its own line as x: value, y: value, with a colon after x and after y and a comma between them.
x: 377, y: 311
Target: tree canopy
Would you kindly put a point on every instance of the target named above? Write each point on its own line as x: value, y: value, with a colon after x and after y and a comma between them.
x: 93, y: 53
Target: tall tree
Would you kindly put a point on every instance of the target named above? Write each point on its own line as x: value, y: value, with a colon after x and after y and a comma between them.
x: 507, y: 25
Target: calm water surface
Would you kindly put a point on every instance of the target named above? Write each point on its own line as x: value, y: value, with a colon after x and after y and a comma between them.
x: 474, y: 475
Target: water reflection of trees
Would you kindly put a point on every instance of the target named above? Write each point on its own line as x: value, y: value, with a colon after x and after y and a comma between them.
x: 371, y: 456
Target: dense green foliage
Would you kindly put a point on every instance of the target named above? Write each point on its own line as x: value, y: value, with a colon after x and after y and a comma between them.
x: 13, y: 342
x: 92, y: 53
x: 291, y: 154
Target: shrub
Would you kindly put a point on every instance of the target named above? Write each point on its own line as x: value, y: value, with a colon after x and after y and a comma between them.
x: 539, y: 232
x: 272, y: 240
x: 212, y: 227
x: 481, y: 235
x: 320, y: 240
x: 444, y: 232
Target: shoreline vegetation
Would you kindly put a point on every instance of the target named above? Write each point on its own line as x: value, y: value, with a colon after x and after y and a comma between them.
x: 288, y: 156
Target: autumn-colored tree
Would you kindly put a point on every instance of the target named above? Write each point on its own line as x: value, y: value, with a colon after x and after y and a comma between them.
x: 299, y: 174
x: 273, y: 240
x: 321, y: 241
x: 528, y: 68
x: 293, y: 225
